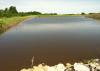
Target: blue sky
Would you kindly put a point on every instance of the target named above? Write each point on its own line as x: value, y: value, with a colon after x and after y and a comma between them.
x: 59, y: 6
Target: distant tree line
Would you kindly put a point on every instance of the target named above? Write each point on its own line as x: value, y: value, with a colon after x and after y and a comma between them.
x: 50, y: 14
x: 12, y: 11
x: 29, y: 13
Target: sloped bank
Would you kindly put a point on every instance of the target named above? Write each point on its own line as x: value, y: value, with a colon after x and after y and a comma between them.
x: 6, y: 23
x: 94, y: 16
x: 90, y: 65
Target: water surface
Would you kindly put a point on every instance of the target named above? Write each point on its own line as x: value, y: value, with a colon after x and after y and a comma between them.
x: 50, y: 40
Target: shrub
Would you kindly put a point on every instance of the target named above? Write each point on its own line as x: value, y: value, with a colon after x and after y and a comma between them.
x: 2, y: 23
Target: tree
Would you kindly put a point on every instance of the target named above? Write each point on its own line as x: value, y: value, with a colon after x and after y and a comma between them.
x: 12, y: 11
x: 82, y: 13
x: 1, y: 13
x: 36, y: 13
x: 6, y: 12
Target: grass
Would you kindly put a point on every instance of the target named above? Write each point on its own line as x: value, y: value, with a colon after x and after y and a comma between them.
x: 6, y: 23
x: 94, y: 16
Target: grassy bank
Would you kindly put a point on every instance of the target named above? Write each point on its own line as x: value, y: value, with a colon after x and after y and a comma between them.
x: 6, y: 23
x: 94, y: 16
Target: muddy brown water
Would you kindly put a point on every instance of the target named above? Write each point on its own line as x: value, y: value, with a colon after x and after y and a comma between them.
x: 50, y: 40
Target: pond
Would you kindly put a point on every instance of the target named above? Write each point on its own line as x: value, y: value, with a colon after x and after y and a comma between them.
x: 50, y: 40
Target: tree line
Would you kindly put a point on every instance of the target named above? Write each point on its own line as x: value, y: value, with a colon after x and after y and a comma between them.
x: 12, y: 11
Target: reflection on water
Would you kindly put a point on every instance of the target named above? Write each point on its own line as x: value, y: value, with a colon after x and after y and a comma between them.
x: 51, y: 40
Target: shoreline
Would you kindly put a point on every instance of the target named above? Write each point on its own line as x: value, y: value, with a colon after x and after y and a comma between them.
x: 7, y: 23
x: 66, y: 15
x: 89, y: 65
x: 16, y: 20
x: 95, y: 16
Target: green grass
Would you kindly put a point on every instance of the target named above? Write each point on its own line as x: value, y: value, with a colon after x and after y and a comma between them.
x: 13, y: 19
x: 9, y: 22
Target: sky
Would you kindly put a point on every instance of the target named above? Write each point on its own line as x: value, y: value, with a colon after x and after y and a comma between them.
x: 53, y: 6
